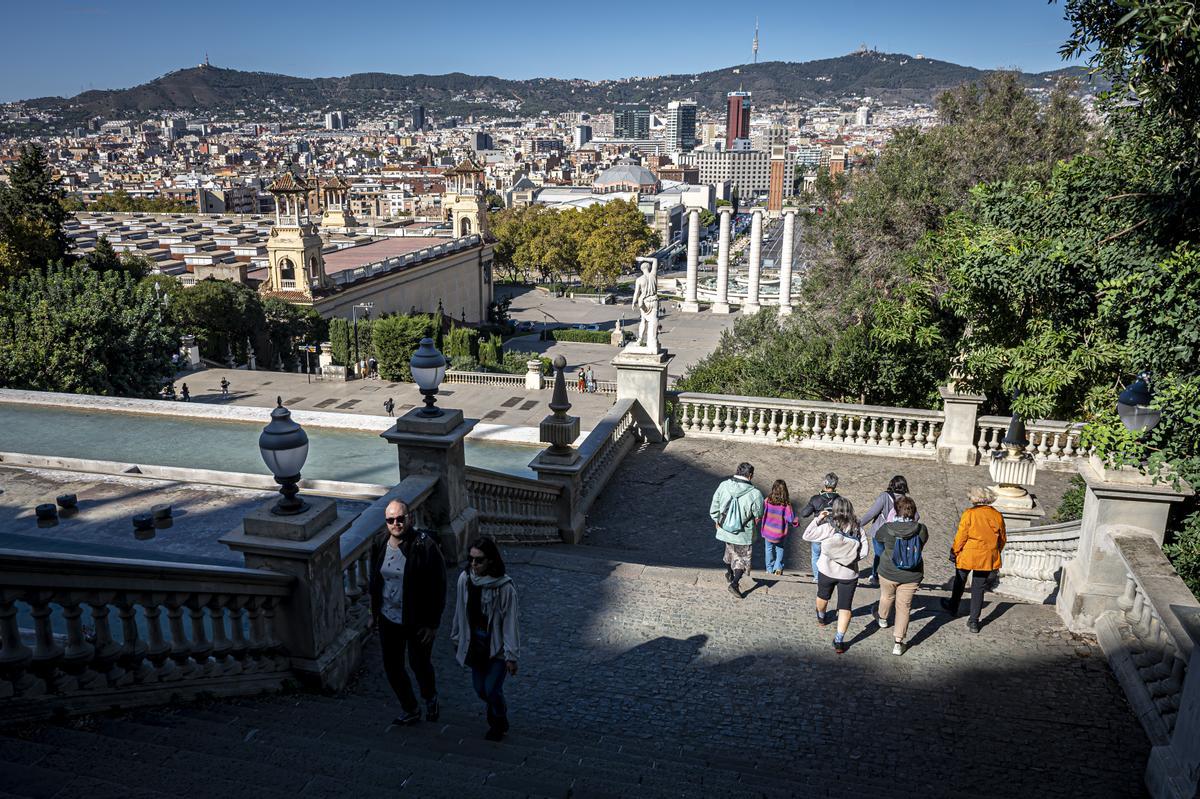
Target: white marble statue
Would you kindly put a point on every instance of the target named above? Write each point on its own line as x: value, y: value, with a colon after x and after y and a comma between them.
x: 645, y: 302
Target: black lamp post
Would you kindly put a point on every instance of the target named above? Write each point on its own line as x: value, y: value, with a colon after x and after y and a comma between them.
x: 428, y: 367
x: 1133, y: 406
x: 284, y: 448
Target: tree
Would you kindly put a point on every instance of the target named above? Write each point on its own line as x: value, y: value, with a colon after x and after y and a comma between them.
x: 73, y: 329
x: 609, y: 237
x: 395, y: 339
x: 103, y: 258
x: 122, y: 201
x: 224, y: 316
x: 707, y: 218
x: 31, y: 216
x: 287, y: 327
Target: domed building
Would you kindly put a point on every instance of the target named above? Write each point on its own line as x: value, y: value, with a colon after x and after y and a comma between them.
x: 626, y: 176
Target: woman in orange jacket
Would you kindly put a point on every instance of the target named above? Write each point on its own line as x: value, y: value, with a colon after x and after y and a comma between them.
x: 976, y: 552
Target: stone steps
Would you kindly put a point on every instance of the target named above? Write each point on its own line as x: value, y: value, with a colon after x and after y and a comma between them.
x: 313, y: 746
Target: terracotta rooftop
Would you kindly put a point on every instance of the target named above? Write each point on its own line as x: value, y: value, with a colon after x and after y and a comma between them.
x: 287, y: 182
x: 354, y: 257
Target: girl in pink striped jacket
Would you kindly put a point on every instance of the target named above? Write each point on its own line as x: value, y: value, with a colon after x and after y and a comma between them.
x: 778, y: 516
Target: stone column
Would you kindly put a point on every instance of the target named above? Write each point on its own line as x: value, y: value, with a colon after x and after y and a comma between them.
x: 434, y: 446
x: 1117, y: 501
x: 785, y: 263
x: 956, y: 442
x: 690, y: 305
x: 756, y: 234
x: 311, y: 622
x: 533, y: 375
x: 722, y: 302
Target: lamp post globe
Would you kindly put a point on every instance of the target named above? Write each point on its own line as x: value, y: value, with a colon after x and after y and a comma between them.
x: 284, y: 448
x: 1133, y: 406
x: 428, y: 367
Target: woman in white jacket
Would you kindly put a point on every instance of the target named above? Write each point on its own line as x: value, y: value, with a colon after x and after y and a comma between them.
x: 485, y: 631
x: 842, y: 544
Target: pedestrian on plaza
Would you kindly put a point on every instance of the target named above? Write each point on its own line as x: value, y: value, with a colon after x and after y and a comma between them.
x: 976, y: 552
x: 408, y: 595
x: 591, y: 380
x: 185, y: 394
x: 486, y: 633
x: 778, y: 516
x: 882, y: 511
x: 842, y: 544
x: 582, y: 381
x: 901, y: 568
x: 389, y: 405
x: 736, y: 509
x: 224, y: 387
x: 816, y: 504
x: 372, y: 368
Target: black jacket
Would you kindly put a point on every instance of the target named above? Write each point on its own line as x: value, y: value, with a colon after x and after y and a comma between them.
x: 424, y: 580
x: 818, y: 503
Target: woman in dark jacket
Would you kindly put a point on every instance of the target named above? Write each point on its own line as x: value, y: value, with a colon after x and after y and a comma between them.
x: 882, y: 511
x: 901, y: 567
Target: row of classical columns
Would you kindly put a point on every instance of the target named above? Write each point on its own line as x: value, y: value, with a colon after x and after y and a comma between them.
x: 753, y: 302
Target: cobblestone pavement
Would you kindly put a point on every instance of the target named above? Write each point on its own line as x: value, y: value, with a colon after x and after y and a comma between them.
x: 655, y: 508
x: 1021, y: 709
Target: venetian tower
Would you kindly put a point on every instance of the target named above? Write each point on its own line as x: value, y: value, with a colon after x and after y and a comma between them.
x: 295, y: 264
x: 464, y: 199
x: 334, y: 195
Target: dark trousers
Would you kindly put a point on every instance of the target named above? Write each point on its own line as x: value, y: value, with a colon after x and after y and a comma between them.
x: 978, y: 583
x: 394, y: 640
x: 488, y: 681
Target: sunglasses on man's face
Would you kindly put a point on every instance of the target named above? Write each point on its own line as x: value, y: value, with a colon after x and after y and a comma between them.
x: 395, y: 519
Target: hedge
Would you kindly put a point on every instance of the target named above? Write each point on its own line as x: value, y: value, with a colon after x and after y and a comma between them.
x: 585, y: 336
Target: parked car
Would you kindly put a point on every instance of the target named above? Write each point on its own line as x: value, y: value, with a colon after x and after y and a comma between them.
x: 585, y: 327
x: 527, y: 327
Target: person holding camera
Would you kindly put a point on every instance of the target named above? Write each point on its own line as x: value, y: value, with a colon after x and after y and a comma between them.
x: 842, y: 544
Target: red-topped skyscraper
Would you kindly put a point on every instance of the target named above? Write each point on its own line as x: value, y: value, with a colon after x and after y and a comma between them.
x: 737, y: 121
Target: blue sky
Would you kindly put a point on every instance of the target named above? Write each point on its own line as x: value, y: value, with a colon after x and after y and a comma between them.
x: 67, y: 47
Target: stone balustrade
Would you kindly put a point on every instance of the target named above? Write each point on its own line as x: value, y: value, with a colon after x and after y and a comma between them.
x: 1147, y: 645
x: 868, y: 429
x: 608, y: 387
x: 1054, y: 445
x: 605, y: 447
x: 514, y: 509
x: 1034, y: 559
x: 485, y: 379
x: 220, y: 634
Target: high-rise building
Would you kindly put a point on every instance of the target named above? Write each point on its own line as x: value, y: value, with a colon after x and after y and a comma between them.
x: 337, y: 120
x: 863, y: 117
x: 483, y: 141
x: 418, y: 117
x: 681, y: 126
x: 631, y: 122
x: 737, y: 120
x: 583, y: 135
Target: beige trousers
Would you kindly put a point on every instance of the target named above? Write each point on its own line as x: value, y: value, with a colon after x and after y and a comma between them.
x: 902, y: 595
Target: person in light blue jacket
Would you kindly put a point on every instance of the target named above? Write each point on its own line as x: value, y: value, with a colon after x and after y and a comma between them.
x: 737, y: 510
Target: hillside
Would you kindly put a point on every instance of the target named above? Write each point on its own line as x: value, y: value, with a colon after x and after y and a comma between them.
x: 887, y: 77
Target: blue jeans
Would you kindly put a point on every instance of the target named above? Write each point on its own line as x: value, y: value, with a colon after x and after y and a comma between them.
x: 816, y: 555
x: 878, y: 547
x: 488, y: 681
x: 773, y: 555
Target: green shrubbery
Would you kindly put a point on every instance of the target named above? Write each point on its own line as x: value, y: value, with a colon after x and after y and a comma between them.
x: 584, y: 336
x: 1070, y: 507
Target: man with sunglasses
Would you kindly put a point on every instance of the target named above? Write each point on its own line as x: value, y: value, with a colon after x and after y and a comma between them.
x: 408, y: 595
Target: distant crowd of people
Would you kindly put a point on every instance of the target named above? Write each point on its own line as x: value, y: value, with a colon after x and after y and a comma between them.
x: 890, y: 533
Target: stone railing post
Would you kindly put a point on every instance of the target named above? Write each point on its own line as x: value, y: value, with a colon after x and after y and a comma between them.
x: 956, y: 443
x: 1174, y: 768
x: 559, y: 462
x: 433, y: 445
x: 1117, y: 500
x: 533, y: 375
x: 690, y: 304
x: 721, y: 305
x: 756, y: 234
x: 311, y: 623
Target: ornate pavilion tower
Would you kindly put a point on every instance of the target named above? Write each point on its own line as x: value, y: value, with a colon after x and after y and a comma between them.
x: 334, y: 195
x: 296, y: 267
x: 464, y: 199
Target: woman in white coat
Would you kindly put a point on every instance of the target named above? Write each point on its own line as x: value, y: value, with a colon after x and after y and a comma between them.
x: 485, y: 631
x: 842, y: 544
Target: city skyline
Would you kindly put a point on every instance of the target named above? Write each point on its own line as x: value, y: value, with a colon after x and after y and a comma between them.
x: 1024, y: 34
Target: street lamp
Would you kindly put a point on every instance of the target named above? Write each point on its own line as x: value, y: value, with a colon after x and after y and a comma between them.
x: 1132, y: 406
x: 428, y: 367
x: 284, y: 448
